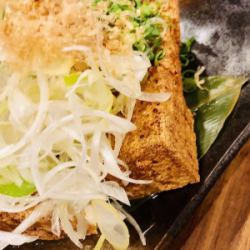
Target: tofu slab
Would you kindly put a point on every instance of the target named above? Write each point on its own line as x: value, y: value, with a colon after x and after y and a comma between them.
x: 163, y: 148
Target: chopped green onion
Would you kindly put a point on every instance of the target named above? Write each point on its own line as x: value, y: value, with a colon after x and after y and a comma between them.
x: 151, y: 55
x: 159, y: 55
x: 140, y: 46
x: 189, y: 85
x: 95, y: 2
x: 148, y: 10
x: 117, y: 8
x: 152, y: 31
x: 71, y: 79
x: 2, y: 14
x: 137, y: 4
x: 142, y: 12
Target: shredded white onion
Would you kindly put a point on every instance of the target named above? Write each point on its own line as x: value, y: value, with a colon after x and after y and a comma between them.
x: 58, y: 168
x: 40, y: 211
x: 199, y: 82
x: 44, y: 95
x: 67, y: 154
x: 154, y: 97
x: 114, y: 169
x: 67, y: 225
x: 16, y: 237
x: 11, y: 83
x: 56, y: 135
x: 133, y: 222
x: 111, y: 224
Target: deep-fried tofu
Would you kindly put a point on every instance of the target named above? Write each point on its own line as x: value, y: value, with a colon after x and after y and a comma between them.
x: 163, y: 148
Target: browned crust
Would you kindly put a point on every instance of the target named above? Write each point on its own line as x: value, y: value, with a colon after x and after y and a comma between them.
x: 162, y: 149
x: 42, y: 229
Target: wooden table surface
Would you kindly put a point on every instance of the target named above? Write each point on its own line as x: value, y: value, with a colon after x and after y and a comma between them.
x: 222, y: 222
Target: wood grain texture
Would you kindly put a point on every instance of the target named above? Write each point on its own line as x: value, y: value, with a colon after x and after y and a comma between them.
x: 222, y: 222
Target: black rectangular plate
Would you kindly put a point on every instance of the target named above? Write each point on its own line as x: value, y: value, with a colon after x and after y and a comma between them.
x: 222, y: 29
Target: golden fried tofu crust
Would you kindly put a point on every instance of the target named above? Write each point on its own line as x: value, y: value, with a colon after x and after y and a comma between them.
x: 163, y: 148
x: 41, y: 229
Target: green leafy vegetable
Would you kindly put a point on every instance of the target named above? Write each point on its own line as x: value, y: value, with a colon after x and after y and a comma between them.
x: 11, y: 189
x: 186, y: 55
x: 213, y: 103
